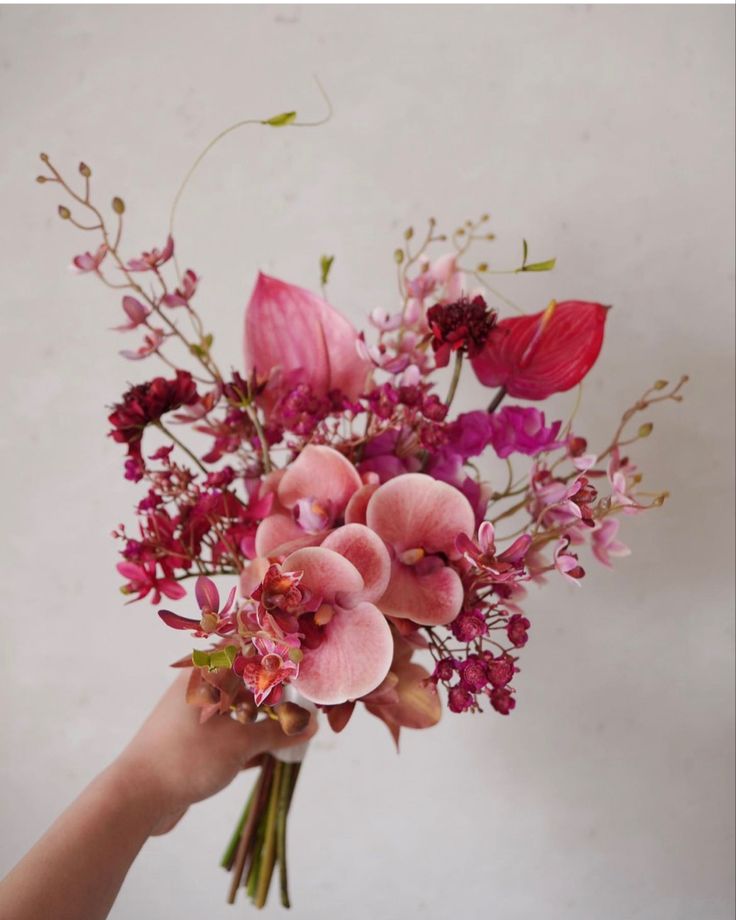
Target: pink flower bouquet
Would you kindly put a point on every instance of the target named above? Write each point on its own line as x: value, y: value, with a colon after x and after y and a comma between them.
x: 337, y: 502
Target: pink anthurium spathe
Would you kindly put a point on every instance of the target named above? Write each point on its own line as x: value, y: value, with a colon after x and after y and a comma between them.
x: 543, y: 353
x: 294, y: 337
x: 356, y: 647
x: 420, y: 519
x: 312, y: 495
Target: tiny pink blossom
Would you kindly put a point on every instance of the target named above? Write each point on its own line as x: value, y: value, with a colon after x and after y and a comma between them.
x: 184, y: 293
x: 567, y: 563
x: 151, y: 343
x: 150, y: 261
x: 89, y: 262
x: 136, y: 312
x: 605, y: 543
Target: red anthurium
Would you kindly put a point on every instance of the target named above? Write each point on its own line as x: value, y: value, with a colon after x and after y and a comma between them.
x: 548, y: 352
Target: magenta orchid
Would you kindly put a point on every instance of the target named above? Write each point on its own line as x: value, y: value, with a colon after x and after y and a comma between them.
x: 605, y: 543
x: 153, y: 260
x: 212, y: 619
x: 90, y: 262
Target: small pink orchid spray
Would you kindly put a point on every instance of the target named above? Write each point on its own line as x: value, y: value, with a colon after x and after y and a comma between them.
x: 374, y: 547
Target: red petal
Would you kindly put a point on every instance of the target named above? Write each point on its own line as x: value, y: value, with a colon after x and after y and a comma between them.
x: 176, y: 622
x: 548, y: 352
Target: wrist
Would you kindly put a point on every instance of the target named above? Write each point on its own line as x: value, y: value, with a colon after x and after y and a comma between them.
x: 130, y: 790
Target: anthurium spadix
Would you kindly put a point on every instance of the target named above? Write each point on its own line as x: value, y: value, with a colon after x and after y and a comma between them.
x: 543, y: 353
x: 294, y: 337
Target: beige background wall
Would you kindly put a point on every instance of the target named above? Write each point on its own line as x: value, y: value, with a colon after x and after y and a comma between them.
x: 603, y: 135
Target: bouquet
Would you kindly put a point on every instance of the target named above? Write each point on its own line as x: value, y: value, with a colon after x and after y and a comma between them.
x: 364, y: 557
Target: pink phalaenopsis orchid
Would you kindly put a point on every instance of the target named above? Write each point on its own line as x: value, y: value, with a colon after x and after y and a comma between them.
x: 420, y: 518
x: 152, y: 341
x: 311, y: 495
x: 567, y: 563
x: 294, y: 337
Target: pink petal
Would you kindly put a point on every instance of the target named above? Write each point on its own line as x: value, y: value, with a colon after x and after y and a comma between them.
x: 355, y: 511
x: 274, y: 531
x: 415, y: 510
x: 292, y: 329
x: 326, y: 573
x: 368, y: 554
x: 208, y: 597
x: 320, y: 473
x: 433, y: 599
x: 353, y: 659
x: 176, y: 622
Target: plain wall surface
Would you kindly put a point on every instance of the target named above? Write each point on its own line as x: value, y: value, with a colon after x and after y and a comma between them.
x: 604, y: 135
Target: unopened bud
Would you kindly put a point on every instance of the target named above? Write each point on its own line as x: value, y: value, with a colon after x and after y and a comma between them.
x: 85, y: 170
x: 293, y: 718
x: 398, y: 256
x: 408, y: 233
x: 490, y: 236
x: 41, y: 179
x: 64, y: 212
x: 482, y: 267
x: 44, y: 157
x: 660, y: 384
x: 645, y: 430
x: 118, y: 205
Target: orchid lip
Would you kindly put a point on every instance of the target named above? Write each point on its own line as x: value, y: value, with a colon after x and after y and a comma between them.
x: 412, y: 556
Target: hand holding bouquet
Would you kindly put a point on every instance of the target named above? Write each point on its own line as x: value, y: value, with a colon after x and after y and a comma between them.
x: 338, y: 501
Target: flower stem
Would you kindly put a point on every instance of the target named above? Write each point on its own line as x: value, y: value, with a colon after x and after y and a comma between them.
x: 281, y: 815
x: 496, y: 401
x: 455, y: 377
x: 180, y: 445
x: 268, y: 854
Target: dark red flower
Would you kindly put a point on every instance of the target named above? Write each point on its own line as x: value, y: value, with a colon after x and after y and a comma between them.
x: 145, y: 404
x: 459, y: 699
x: 544, y: 353
x: 464, y: 324
x: 517, y: 630
x: 503, y: 701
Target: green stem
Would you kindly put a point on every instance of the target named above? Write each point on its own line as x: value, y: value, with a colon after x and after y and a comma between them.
x: 455, y: 377
x: 179, y: 444
x: 229, y: 854
x: 268, y: 853
x: 281, y: 815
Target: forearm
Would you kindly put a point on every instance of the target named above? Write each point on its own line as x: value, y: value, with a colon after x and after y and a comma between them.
x: 75, y: 871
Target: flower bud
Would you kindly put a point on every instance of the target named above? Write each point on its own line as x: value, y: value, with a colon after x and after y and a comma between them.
x: 660, y: 384
x: 41, y: 179
x: 398, y: 256
x: 293, y: 719
x: 85, y: 170
x: 645, y: 430
x: 64, y: 212
x: 118, y: 205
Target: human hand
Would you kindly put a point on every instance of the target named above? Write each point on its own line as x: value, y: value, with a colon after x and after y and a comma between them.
x: 175, y: 761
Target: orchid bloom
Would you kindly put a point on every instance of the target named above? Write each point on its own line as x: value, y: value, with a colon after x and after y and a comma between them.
x: 543, y: 353
x: 212, y: 619
x: 136, y: 312
x: 184, y: 293
x: 294, y: 332
x: 499, y: 567
x: 88, y: 261
x: 312, y: 495
x: 605, y: 544
x: 151, y: 261
x: 567, y: 563
x: 517, y: 429
x: 420, y: 518
x: 151, y: 343
x: 342, y: 579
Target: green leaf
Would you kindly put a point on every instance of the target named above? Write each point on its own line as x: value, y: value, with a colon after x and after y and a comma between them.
x: 526, y: 253
x: 208, y: 340
x: 325, y: 264
x: 197, y: 350
x: 277, y: 121
x: 219, y: 658
x: 539, y: 266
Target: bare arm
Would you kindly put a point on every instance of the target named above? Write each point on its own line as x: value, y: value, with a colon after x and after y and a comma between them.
x: 76, y: 869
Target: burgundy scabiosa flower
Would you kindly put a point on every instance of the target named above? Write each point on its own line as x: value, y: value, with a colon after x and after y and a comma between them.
x: 463, y: 324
